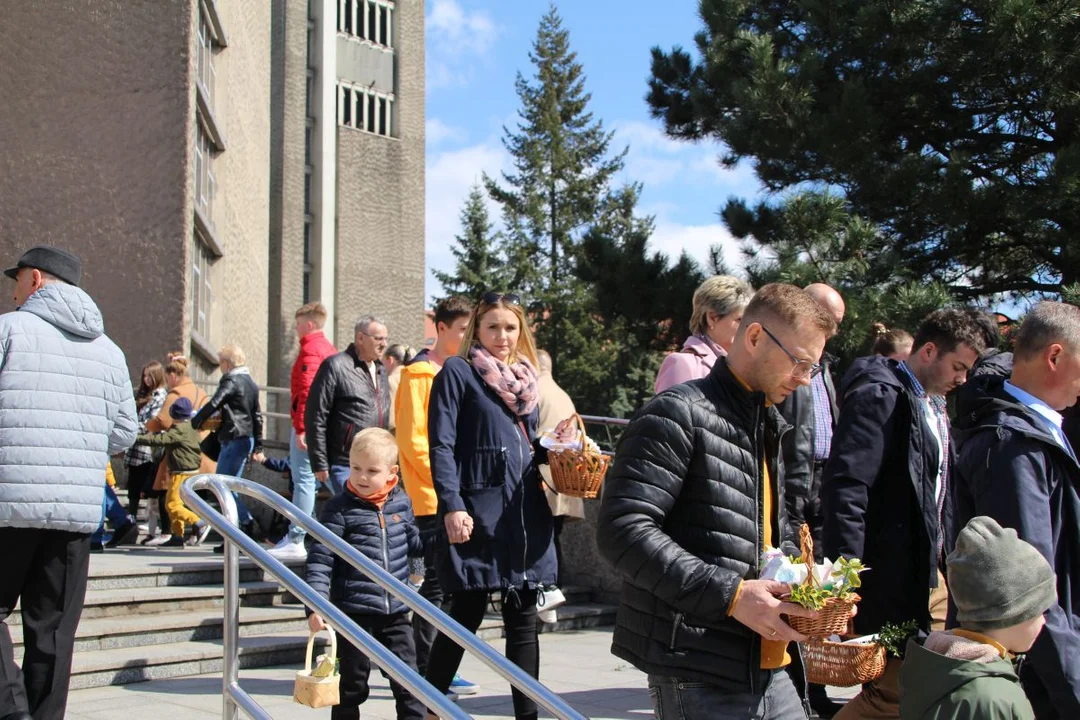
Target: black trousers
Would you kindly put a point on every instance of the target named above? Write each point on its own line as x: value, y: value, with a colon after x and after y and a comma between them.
x: 424, y: 632
x: 46, y: 570
x: 522, y: 643
x: 140, y: 485
x: 396, y: 634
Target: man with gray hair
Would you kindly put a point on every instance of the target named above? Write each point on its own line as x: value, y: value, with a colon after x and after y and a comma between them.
x: 1017, y: 466
x: 350, y: 392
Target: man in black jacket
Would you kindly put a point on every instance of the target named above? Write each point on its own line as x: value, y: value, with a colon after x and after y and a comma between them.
x: 691, y: 502
x: 1017, y: 466
x: 885, y: 493
x: 350, y: 392
x: 812, y: 411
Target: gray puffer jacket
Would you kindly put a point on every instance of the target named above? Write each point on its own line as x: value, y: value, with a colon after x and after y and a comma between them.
x: 65, y: 406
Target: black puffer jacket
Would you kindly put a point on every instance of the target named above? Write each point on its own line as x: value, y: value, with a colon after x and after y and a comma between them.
x: 342, y: 402
x: 237, y: 399
x: 878, y: 494
x: 681, y: 519
x: 388, y: 537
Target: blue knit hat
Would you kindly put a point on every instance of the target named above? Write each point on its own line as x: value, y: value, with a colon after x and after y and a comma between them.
x: 181, y: 409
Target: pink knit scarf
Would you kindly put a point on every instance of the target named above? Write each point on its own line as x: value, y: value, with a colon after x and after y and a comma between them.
x: 515, y: 383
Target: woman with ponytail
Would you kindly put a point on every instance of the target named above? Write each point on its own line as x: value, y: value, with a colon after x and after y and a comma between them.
x: 496, y: 532
x: 892, y: 343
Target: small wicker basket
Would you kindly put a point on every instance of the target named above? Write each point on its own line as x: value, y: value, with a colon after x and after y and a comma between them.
x: 842, y: 664
x: 578, y: 474
x: 317, y: 692
x: 833, y: 618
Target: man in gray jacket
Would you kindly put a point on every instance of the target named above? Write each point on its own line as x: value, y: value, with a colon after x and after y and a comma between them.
x: 65, y: 407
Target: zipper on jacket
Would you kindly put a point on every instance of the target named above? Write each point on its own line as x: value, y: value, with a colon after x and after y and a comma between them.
x: 674, y: 630
x: 759, y: 509
x: 524, y: 532
x: 386, y: 557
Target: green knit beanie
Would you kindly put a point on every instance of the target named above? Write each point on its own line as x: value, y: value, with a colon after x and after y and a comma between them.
x: 996, y: 579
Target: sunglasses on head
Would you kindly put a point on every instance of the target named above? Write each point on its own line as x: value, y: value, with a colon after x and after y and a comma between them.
x: 492, y: 298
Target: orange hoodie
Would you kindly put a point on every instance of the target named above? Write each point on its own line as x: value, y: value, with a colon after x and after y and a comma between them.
x: 411, y: 427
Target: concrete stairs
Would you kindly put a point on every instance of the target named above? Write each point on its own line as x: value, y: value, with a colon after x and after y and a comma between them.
x: 155, y: 613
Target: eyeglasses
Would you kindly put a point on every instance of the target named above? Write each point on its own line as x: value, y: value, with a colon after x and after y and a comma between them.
x: 803, y: 368
x: 376, y: 338
x: 492, y: 298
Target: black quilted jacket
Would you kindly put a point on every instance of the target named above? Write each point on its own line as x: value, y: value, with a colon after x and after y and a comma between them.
x: 681, y: 519
x: 388, y: 537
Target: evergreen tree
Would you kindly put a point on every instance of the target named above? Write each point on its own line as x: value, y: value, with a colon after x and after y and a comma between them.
x: 478, y: 266
x: 953, y: 126
x: 557, y: 187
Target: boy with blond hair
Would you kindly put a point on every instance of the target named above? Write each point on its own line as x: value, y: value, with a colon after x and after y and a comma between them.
x: 373, y: 515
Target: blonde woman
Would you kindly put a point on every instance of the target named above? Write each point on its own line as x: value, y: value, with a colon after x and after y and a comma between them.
x: 240, y: 432
x: 718, y: 309
x: 497, y: 526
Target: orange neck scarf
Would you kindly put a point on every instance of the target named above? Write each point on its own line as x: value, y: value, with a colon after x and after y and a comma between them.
x: 379, y: 498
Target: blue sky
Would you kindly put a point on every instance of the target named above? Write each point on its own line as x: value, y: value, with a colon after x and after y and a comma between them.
x: 474, y: 50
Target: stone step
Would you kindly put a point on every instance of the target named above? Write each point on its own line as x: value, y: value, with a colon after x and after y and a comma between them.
x: 130, y: 631
x: 171, y: 598
x: 143, y: 567
x: 123, y: 665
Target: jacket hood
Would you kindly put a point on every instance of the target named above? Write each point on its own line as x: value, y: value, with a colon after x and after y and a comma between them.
x: 68, y: 308
x: 986, y: 405
x: 929, y: 677
x: 420, y: 366
x: 870, y: 369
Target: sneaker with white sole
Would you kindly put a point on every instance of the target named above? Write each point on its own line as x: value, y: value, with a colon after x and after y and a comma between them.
x: 288, y: 551
x: 198, y: 534
x: 157, y: 540
x: 461, y: 686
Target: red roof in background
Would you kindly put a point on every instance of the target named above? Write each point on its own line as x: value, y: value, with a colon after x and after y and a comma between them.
x: 429, y: 328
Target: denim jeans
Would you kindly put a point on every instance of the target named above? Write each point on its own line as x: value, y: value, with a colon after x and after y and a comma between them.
x: 112, y: 509
x: 680, y: 699
x: 339, y: 478
x: 231, y: 461
x: 304, y: 485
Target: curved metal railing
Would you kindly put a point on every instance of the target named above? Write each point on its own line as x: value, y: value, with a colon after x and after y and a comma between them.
x: 234, y: 697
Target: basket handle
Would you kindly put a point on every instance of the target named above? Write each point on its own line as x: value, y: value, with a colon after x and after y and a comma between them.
x: 806, y: 542
x: 311, y: 647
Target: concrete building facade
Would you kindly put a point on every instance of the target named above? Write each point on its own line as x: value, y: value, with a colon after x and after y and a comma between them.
x: 198, y: 155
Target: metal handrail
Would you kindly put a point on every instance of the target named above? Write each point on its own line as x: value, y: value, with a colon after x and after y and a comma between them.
x: 235, y: 697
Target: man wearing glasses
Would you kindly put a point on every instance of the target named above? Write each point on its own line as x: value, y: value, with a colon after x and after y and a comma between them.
x: 350, y: 392
x: 885, y: 494
x: 692, y: 500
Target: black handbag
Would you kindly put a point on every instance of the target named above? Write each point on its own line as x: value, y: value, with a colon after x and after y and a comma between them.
x: 211, y: 446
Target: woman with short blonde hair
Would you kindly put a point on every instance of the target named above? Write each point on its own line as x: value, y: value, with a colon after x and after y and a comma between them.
x: 717, y: 311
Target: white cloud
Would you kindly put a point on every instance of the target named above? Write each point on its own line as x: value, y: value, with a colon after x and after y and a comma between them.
x: 437, y: 132
x: 453, y: 35
x: 450, y: 176
x: 672, y: 238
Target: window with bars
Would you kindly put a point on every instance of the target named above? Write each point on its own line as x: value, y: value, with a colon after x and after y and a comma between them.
x: 371, y: 20
x: 201, y: 288
x: 366, y: 110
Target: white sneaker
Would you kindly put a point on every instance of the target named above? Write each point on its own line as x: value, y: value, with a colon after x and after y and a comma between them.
x: 547, y: 601
x: 158, y: 540
x: 288, y: 551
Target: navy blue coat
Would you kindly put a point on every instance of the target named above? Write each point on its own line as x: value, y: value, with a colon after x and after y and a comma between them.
x: 1011, y: 468
x: 878, y: 494
x: 388, y: 536
x: 483, y: 461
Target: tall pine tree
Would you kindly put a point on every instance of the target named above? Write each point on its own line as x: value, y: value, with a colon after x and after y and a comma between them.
x: 478, y: 266
x: 556, y: 190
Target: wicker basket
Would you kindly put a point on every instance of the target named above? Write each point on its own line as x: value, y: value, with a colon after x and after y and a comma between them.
x: 842, y: 664
x: 317, y: 692
x: 578, y: 474
x: 833, y: 618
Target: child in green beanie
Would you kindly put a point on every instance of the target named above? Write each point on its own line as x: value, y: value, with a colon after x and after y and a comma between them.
x: 1001, y: 587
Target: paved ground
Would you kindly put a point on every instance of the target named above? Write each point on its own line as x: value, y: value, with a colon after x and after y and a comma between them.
x: 577, y: 665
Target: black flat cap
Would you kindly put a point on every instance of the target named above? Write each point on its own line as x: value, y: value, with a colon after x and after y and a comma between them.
x: 63, y: 264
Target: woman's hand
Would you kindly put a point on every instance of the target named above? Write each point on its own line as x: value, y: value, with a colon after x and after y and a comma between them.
x: 459, y: 526
x: 315, y: 622
x: 565, y: 431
